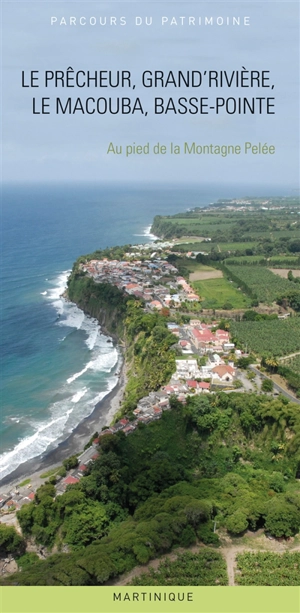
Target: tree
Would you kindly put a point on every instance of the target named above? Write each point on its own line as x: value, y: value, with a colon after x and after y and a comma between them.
x: 271, y: 363
x: 237, y: 522
x: 10, y: 541
x: 25, y: 518
x: 294, y: 246
x: 45, y: 491
x: 188, y: 537
x: 267, y: 385
x: 244, y: 362
x: 197, y: 511
x: 282, y: 519
x: 86, y: 525
x: 71, y: 462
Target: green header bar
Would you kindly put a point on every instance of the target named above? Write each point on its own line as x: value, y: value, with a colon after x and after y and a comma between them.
x: 145, y: 599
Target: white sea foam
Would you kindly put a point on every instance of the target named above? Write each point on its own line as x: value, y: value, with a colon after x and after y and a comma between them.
x: 64, y: 416
x: 72, y: 316
x: 104, y: 362
x: 44, y: 293
x: 79, y: 395
x: 92, y: 338
x: 76, y: 400
x: 31, y: 446
x: 79, y: 374
x: 54, y: 294
x: 147, y: 233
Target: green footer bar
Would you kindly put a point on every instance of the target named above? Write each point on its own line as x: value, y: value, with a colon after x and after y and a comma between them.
x: 164, y: 599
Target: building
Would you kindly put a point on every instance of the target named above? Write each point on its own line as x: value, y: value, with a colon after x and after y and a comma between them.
x: 223, y: 373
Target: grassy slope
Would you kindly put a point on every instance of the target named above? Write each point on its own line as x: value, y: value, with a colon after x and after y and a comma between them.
x: 216, y: 292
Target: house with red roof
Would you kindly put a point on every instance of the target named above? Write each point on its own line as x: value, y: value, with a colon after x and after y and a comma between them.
x: 155, y: 304
x: 202, y: 336
x: 82, y: 468
x: 192, y: 384
x: 124, y: 421
x: 223, y: 373
x: 71, y: 480
x: 128, y: 429
x: 204, y: 386
x: 105, y: 432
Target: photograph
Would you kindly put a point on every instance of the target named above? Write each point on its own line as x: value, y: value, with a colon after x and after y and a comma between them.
x: 150, y: 306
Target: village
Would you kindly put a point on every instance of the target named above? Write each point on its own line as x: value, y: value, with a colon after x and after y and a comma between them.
x: 204, y: 363
x: 205, y: 357
x: 153, y: 280
x: 203, y: 366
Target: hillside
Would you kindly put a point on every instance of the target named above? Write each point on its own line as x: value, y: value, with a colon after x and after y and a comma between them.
x: 200, y: 467
x: 228, y: 458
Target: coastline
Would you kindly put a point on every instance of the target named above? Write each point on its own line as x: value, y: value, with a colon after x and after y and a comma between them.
x: 102, y: 415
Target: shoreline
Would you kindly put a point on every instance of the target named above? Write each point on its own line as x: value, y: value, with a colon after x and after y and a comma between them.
x: 101, y: 416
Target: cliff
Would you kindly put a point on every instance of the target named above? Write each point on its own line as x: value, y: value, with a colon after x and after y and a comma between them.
x: 100, y: 300
x: 145, y: 336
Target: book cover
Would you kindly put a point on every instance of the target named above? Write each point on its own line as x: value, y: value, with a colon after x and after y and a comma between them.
x: 150, y: 306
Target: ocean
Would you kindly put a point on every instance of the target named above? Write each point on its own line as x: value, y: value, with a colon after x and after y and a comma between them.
x: 55, y: 362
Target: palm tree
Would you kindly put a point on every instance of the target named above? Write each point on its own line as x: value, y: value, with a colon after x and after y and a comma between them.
x: 271, y: 363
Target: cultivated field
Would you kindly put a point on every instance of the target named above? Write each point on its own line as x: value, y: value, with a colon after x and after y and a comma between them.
x: 206, y: 272
x: 276, y: 337
x: 217, y: 292
x: 283, y: 272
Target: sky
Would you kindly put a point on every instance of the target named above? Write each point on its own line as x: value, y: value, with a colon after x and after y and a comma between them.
x: 57, y: 147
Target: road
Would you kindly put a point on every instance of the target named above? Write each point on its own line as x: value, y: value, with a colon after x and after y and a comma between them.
x: 276, y: 386
x: 287, y: 357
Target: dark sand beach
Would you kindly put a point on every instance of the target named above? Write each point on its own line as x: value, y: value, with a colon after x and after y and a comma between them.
x: 101, y: 416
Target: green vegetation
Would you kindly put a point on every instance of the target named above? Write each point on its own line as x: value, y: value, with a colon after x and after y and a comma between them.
x: 267, y: 385
x: 246, y: 260
x: 146, y: 336
x: 289, y: 369
x: 49, y: 473
x: 276, y: 337
x: 25, y: 482
x: 151, y: 361
x: 207, y: 567
x: 101, y: 300
x: 61, y: 471
x: 265, y: 286
x: 242, y: 285
x: 274, y: 261
x: 292, y: 378
x: 220, y: 294
x: 186, y: 265
x: 227, y: 459
x: 268, y: 569
x: 249, y: 232
x: 230, y: 458
x: 27, y: 559
x: 227, y: 247
x: 71, y: 462
x: 10, y: 541
x: 293, y: 364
